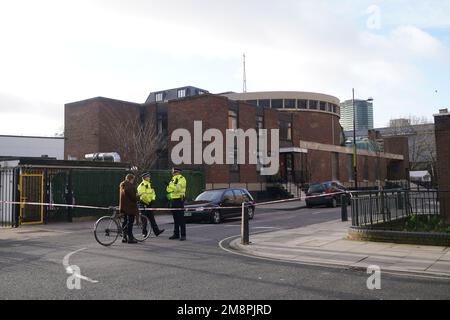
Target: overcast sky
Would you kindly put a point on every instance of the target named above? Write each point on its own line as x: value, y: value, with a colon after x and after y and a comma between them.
x: 55, y: 52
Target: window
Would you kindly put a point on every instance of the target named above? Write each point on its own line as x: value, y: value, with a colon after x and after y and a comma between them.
x: 259, y: 122
x: 254, y: 102
x: 162, y: 123
x: 323, y: 106
x: 313, y: 104
x: 232, y: 120
x: 302, y: 104
x: 334, y: 108
x: 239, y: 197
x: 159, y: 97
x: 264, y: 103
x: 277, y: 104
x: 259, y: 127
x: 285, y: 130
x: 289, y: 104
x: 201, y: 92
x: 228, y: 197
x: 181, y: 93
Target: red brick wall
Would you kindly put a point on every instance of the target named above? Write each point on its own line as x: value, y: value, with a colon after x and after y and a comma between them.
x: 398, y: 169
x: 81, y: 129
x: 442, y: 131
x: 213, y: 112
x: 316, y: 126
x: 319, y: 163
x: 247, y: 120
x: 89, y: 125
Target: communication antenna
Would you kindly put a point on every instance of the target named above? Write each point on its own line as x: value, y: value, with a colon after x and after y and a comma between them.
x: 244, y: 87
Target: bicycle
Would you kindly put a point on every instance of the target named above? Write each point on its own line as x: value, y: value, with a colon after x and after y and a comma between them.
x: 108, y: 229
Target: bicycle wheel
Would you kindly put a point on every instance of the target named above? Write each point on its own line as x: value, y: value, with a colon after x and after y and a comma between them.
x: 139, y: 228
x: 106, y: 231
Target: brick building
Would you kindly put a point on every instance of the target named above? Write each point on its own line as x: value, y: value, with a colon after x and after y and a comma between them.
x: 311, y: 138
x: 442, y: 128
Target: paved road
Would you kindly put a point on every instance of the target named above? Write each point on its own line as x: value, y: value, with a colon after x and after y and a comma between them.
x: 196, y: 269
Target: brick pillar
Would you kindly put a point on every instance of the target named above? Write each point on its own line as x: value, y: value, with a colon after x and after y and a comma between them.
x: 442, y: 131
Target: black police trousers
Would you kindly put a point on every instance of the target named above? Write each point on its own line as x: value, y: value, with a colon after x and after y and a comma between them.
x: 151, y: 217
x: 178, y: 218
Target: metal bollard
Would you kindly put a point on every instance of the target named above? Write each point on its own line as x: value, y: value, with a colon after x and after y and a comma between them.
x: 245, y: 232
x: 344, y: 213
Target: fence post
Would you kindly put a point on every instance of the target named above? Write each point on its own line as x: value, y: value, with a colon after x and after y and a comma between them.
x: 245, y: 238
x: 69, y: 196
x: 17, y: 222
x: 344, y: 203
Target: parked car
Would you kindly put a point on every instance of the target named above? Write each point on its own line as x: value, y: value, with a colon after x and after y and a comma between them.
x: 217, y: 205
x: 326, y: 193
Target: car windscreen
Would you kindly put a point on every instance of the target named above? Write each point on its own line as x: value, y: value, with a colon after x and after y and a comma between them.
x: 316, y: 188
x: 210, y: 196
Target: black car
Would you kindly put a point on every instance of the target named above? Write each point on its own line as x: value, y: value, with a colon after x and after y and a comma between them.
x: 326, y: 193
x: 217, y: 205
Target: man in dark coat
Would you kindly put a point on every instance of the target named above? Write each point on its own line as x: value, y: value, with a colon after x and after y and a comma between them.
x: 128, y: 207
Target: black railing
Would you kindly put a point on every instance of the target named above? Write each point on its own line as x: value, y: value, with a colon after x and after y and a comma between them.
x: 376, y: 207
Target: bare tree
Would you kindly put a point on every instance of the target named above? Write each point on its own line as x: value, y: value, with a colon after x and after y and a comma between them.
x: 135, y: 136
x: 421, y: 140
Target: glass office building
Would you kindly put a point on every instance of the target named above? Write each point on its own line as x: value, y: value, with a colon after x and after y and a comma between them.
x: 363, y: 114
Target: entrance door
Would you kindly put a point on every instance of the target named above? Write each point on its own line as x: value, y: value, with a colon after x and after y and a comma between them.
x: 31, y: 189
x: 287, y: 167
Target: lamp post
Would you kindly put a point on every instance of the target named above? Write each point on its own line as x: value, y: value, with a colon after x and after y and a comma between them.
x: 355, y: 155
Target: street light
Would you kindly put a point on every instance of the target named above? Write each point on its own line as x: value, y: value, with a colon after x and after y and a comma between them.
x: 355, y: 155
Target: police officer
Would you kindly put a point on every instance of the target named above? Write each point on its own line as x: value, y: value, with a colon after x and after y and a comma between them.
x: 146, y: 196
x: 176, y: 193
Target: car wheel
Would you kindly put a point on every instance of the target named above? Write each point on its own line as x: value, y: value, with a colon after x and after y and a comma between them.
x: 251, y: 213
x: 216, y: 217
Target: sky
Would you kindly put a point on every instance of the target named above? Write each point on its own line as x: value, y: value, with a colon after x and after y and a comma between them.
x: 54, y: 52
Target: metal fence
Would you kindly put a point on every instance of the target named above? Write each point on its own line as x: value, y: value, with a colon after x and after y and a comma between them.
x: 372, y: 208
x: 8, y: 192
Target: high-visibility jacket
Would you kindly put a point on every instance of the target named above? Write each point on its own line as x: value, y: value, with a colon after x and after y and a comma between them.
x: 146, y: 192
x: 177, y: 187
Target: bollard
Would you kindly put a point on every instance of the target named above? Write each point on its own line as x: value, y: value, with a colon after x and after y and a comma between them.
x: 245, y: 237
x: 344, y: 214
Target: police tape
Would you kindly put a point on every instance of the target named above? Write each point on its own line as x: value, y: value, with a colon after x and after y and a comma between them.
x: 56, y: 205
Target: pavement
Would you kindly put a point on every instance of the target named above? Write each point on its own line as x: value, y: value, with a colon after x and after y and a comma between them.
x: 325, y: 244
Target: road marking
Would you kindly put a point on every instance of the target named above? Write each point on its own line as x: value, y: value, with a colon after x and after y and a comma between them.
x: 73, y: 269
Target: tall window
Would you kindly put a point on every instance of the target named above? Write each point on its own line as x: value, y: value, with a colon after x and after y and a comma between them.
x: 285, y: 130
x: 181, y: 93
x: 162, y: 123
x: 159, y: 97
x: 323, y: 105
x: 259, y: 127
x: 232, y: 120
